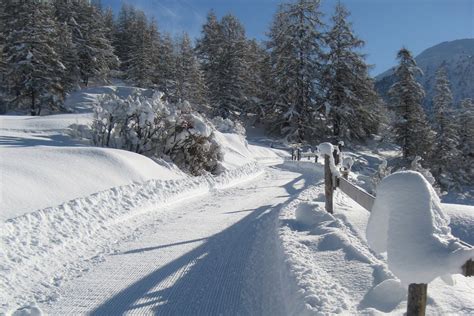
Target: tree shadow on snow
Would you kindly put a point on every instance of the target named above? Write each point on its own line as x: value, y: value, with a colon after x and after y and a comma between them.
x: 210, y: 278
x: 57, y: 140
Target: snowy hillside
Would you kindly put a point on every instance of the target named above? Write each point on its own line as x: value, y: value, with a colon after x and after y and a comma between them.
x: 458, y: 59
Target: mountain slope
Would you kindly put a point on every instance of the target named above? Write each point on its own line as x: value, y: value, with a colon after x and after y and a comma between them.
x: 458, y: 59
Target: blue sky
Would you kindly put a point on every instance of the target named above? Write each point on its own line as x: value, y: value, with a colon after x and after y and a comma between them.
x: 385, y: 25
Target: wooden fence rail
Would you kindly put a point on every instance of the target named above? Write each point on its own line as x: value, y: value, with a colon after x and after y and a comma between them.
x: 417, y: 293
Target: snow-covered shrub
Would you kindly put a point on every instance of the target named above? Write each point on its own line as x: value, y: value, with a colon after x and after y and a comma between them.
x: 228, y: 126
x: 382, y: 171
x: 416, y: 166
x: 154, y: 127
x: 193, y: 147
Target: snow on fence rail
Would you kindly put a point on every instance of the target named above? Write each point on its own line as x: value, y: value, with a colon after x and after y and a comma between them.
x: 336, y: 177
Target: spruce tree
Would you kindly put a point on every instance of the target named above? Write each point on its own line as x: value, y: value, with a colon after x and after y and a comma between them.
x: 34, y: 72
x: 411, y: 129
x: 446, y: 156
x: 295, y: 45
x: 354, y: 106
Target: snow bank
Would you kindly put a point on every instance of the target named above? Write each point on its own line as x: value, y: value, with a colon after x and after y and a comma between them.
x: 309, y: 214
x: 38, y: 177
x: 461, y: 221
x: 407, y: 221
x: 37, y: 248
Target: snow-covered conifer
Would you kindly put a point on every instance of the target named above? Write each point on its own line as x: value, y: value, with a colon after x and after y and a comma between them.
x: 446, y: 155
x: 296, y: 53
x: 411, y: 129
x: 166, y: 67
x: 89, y: 35
x: 139, y: 65
x: 190, y: 85
x: 354, y: 106
x: 466, y: 138
x: 34, y: 70
x: 222, y: 50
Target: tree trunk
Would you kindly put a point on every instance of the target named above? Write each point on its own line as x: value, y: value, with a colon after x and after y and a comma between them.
x: 33, y: 103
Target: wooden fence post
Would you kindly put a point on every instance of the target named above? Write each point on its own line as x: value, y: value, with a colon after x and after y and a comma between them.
x: 298, y: 153
x: 417, y: 295
x: 468, y: 268
x: 336, y: 156
x: 328, y: 186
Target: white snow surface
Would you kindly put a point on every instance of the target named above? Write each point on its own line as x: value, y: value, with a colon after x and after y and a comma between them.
x: 38, y: 156
x: 407, y: 221
x: 255, y: 240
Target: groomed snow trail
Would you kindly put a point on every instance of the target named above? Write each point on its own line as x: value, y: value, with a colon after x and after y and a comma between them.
x: 216, y: 255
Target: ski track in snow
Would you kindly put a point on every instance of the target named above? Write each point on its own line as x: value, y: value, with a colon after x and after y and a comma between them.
x: 216, y: 255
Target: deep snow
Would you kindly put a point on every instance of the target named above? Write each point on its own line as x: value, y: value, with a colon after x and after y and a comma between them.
x: 144, y: 237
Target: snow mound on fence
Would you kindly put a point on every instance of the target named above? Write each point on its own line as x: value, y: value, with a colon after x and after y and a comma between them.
x: 38, y: 250
x: 407, y: 221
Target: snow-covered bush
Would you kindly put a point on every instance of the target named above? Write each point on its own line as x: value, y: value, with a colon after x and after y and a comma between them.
x: 382, y: 171
x: 154, y: 127
x: 225, y: 125
x: 416, y: 166
x: 193, y: 147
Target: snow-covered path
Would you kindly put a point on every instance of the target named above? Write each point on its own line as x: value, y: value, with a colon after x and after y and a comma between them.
x: 207, y: 256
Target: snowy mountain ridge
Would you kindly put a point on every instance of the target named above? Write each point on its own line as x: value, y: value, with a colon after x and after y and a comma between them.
x: 456, y: 56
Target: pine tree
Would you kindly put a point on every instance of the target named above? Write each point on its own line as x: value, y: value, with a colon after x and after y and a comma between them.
x: 354, y: 106
x: 296, y: 54
x: 446, y: 156
x: 411, y: 129
x: 33, y: 68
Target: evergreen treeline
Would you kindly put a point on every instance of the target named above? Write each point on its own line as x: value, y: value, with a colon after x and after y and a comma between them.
x: 307, y: 82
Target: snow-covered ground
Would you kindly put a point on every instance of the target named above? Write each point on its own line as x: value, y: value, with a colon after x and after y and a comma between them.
x: 105, y: 231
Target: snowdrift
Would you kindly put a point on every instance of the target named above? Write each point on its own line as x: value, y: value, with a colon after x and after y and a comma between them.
x: 36, y: 178
x: 334, y: 270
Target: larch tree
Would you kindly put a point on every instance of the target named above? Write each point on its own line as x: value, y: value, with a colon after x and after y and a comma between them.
x: 295, y: 45
x: 208, y: 49
x: 446, y: 155
x: 190, y: 84
x: 139, y: 65
x: 466, y: 138
x: 411, y: 129
x: 353, y: 104
x: 222, y: 50
x: 33, y: 72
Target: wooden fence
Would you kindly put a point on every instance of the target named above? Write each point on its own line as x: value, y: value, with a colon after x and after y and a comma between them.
x: 417, y: 293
